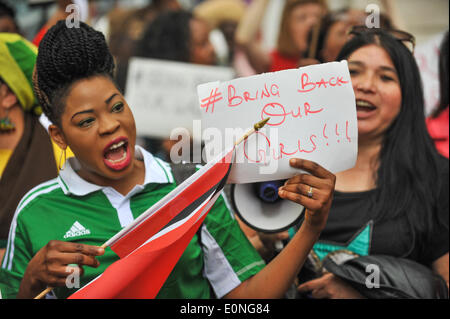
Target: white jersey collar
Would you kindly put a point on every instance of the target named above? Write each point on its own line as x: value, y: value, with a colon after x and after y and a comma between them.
x: 156, y: 171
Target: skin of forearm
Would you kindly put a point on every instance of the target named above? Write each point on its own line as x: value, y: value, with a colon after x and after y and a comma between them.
x: 250, y: 23
x: 275, y: 279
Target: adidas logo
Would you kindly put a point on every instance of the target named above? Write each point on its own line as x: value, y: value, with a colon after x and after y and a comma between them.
x: 76, y: 230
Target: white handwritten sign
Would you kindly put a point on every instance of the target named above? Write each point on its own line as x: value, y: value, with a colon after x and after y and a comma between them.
x: 162, y: 96
x: 312, y: 116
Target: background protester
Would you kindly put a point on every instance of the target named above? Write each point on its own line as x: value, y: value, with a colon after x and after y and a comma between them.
x: 189, y: 39
x: 189, y: 43
x: 394, y: 202
x: 223, y: 17
x: 438, y: 122
x: 27, y: 156
x: 126, y: 27
x: 297, y: 19
x: 333, y: 32
x: 8, y: 21
x: 59, y: 14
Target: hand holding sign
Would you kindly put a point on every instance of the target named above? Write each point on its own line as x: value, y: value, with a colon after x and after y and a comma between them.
x: 312, y: 116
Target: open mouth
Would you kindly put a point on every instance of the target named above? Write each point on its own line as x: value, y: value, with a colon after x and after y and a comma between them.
x: 364, y: 106
x: 116, y: 154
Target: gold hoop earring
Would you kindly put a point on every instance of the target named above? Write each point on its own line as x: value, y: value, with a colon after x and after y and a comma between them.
x: 61, y: 167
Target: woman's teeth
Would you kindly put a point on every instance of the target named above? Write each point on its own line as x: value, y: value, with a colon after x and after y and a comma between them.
x: 117, y: 152
x: 365, y: 104
x: 114, y: 146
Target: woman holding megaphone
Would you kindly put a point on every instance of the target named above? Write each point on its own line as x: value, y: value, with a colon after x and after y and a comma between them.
x: 388, y: 225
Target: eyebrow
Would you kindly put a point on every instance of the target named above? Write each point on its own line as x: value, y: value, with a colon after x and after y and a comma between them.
x: 110, y: 98
x: 82, y: 112
x: 388, y: 68
x: 356, y: 63
x: 384, y: 68
x: 91, y: 110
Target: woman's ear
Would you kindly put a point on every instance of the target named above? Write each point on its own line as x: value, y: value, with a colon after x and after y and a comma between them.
x: 8, y: 98
x: 57, y: 136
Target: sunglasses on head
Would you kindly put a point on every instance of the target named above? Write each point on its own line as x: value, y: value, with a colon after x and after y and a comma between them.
x: 406, y: 38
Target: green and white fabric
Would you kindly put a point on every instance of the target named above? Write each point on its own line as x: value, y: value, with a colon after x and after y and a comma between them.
x: 69, y: 208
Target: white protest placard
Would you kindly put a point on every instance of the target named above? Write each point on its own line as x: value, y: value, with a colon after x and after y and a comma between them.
x: 312, y: 114
x: 162, y: 94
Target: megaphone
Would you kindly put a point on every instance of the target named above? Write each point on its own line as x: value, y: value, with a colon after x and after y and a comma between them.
x: 259, y: 206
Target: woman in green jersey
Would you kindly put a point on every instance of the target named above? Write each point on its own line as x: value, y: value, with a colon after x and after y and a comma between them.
x: 111, y: 181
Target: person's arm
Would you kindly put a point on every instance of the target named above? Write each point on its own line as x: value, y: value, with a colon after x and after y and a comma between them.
x: 49, y: 267
x: 275, y: 279
x: 245, y: 37
x: 329, y: 287
x: 440, y: 266
x: 263, y: 243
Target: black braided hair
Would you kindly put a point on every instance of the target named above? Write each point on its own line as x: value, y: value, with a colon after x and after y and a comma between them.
x: 65, y: 56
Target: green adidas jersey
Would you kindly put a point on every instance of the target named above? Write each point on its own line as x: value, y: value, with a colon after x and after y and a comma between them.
x: 69, y: 208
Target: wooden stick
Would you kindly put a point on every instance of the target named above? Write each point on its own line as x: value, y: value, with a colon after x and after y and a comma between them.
x: 314, y: 41
x: 43, y: 293
x: 255, y: 128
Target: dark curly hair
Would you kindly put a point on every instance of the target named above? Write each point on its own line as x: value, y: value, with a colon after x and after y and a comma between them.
x: 65, y: 56
x: 167, y: 37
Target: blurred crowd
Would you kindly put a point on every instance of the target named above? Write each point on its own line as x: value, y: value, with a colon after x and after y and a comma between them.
x: 215, y: 33
x: 222, y: 32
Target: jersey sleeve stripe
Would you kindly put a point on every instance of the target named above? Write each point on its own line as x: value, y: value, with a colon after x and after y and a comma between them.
x: 249, y: 267
x: 166, y: 169
x: 36, y: 189
x: 39, y: 190
x: 39, y: 187
x: 27, y: 195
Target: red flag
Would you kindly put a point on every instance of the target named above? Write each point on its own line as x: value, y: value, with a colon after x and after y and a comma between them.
x: 150, y: 247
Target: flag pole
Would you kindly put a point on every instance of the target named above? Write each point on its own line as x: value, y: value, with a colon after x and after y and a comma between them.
x: 254, y: 129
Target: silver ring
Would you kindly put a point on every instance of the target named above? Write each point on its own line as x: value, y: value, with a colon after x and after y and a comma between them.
x: 310, y: 192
